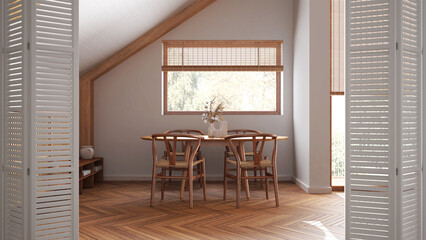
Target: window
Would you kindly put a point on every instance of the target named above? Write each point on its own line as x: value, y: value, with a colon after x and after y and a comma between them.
x: 244, y: 75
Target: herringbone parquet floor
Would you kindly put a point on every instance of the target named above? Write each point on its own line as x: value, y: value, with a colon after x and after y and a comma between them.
x: 120, y: 210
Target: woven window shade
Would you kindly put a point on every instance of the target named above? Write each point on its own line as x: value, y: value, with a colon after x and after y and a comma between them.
x: 337, y: 47
x: 191, y: 55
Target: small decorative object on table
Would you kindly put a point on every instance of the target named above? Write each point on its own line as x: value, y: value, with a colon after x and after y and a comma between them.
x: 86, y: 152
x: 213, y: 114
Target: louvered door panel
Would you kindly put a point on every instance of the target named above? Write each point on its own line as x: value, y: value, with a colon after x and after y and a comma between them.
x: 41, y: 93
x: 54, y: 160
x: 369, y: 182
x: 410, y: 126
x: 384, y: 130
x: 14, y: 87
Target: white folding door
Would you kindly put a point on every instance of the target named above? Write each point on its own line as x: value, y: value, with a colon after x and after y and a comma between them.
x: 384, y: 119
x: 40, y: 119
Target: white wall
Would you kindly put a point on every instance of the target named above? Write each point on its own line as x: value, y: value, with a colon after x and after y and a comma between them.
x: 319, y: 92
x: 301, y: 89
x: 128, y: 98
x: 311, y: 95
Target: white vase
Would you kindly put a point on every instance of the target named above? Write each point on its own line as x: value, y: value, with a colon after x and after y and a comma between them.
x: 86, y: 152
x: 211, y: 130
x: 222, y: 130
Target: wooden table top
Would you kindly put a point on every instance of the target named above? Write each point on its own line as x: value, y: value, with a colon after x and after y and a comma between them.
x: 219, y: 139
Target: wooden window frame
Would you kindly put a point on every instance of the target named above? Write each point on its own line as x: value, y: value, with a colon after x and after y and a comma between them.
x: 226, y: 43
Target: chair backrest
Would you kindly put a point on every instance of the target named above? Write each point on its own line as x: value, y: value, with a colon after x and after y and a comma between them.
x: 242, y: 131
x: 191, y: 142
x: 236, y: 142
x: 185, y: 131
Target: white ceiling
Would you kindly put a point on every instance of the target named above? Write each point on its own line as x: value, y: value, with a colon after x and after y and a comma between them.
x: 106, y: 26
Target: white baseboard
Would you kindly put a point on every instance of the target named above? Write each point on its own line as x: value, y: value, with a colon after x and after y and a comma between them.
x: 309, y: 189
x: 297, y: 181
x: 320, y: 190
x: 300, y: 184
x: 127, y: 178
x: 148, y: 178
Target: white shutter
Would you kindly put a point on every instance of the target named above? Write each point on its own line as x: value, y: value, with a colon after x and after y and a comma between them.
x: 383, y: 169
x: 409, y: 58
x: 54, y: 154
x: 16, y: 119
x: 369, y: 162
x: 41, y: 119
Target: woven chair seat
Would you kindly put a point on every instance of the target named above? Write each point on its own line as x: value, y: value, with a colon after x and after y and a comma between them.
x: 250, y: 164
x: 163, y: 163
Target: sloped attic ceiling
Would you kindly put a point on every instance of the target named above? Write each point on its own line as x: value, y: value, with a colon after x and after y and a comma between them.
x: 106, y: 26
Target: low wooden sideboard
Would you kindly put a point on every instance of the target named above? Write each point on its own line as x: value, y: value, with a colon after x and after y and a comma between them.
x: 96, y: 174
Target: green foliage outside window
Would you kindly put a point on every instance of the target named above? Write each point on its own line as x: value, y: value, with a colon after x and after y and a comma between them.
x: 338, y: 154
x: 239, y: 91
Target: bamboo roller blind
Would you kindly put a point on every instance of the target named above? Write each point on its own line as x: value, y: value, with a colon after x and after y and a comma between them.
x: 337, y: 47
x: 193, y: 55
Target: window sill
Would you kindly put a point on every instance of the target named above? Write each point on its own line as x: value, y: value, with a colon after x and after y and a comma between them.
x: 224, y: 113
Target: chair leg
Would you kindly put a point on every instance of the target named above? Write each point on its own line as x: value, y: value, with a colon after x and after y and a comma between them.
x: 170, y: 174
x: 204, y: 180
x: 225, y: 178
x: 183, y: 183
x: 277, y: 197
x: 154, y: 174
x: 261, y: 180
x: 238, y: 183
x: 267, y: 184
x: 246, y: 184
x: 163, y: 181
x: 255, y: 174
x: 199, y: 170
x: 191, y: 183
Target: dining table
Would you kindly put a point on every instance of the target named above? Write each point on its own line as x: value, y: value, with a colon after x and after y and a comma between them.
x: 206, y: 140
x: 220, y: 141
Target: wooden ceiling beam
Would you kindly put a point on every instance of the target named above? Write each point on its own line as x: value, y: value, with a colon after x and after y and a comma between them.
x: 145, y: 40
x: 87, y: 79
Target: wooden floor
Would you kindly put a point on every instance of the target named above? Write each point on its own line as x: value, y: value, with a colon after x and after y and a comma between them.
x: 120, y: 210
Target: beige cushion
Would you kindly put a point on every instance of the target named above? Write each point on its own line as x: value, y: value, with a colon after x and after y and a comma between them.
x: 250, y: 164
x: 179, y: 164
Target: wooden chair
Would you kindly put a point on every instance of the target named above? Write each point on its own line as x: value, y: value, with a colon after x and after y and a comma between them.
x: 259, y: 162
x: 191, y: 145
x: 229, y: 153
x: 186, y: 131
x: 242, y: 131
x: 181, y: 154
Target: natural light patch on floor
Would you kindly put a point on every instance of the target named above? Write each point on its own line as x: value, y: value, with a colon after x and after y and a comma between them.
x: 342, y: 195
x: 318, y: 224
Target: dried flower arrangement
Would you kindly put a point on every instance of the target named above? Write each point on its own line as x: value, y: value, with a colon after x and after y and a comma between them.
x: 212, y: 114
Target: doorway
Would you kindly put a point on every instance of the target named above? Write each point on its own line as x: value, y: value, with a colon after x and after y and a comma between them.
x: 337, y: 95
